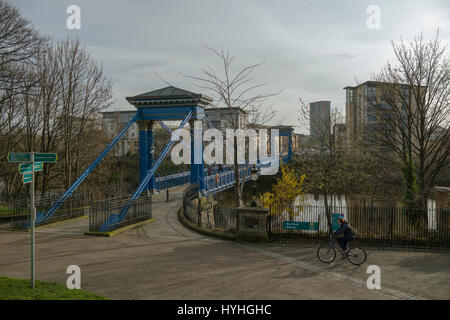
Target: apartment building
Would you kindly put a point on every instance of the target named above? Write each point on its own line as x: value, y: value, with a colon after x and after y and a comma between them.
x: 367, y: 107
x: 222, y: 118
x: 113, y: 122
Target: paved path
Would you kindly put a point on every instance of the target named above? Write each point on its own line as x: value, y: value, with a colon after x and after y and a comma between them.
x: 164, y: 260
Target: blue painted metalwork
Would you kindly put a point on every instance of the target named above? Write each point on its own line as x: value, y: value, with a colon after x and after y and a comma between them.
x: 150, y: 155
x: 287, y: 132
x: 170, y: 113
x: 172, y: 180
x: 143, y: 154
x: 194, y: 168
x: 114, y: 219
x: 170, y: 131
x: 156, y: 106
x: 59, y: 202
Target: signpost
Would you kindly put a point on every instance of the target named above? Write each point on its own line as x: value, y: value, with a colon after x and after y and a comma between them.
x: 28, y: 167
x: 33, y: 219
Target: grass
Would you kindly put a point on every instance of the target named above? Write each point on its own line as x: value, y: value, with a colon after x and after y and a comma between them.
x: 19, y: 289
x: 4, y: 211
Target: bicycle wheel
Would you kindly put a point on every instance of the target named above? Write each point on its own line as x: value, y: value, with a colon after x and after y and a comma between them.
x: 326, y: 253
x: 357, y: 256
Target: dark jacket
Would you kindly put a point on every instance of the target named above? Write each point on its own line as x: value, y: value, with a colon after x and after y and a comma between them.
x: 345, y: 230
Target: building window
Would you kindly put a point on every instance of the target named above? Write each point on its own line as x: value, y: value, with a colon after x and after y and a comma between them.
x: 371, y: 91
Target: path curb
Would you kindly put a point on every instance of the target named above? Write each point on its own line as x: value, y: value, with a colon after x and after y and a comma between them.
x: 119, y: 230
x: 51, y: 224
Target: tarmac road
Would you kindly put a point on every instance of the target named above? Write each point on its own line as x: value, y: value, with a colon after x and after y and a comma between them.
x: 164, y: 260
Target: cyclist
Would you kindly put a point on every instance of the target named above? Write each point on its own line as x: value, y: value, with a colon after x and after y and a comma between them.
x: 347, y: 235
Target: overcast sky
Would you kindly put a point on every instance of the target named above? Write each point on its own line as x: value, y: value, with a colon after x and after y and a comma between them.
x: 312, y: 48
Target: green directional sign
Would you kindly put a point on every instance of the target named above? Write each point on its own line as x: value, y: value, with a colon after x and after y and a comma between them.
x: 19, y: 157
x: 300, y: 225
x: 27, y: 177
x: 37, y: 166
x: 45, y: 157
x: 38, y: 157
x: 26, y: 167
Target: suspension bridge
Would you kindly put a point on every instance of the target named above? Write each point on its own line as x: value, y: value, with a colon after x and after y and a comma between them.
x: 170, y: 104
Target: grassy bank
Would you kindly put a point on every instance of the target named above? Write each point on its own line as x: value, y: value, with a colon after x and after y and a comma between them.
x: 19, y: 289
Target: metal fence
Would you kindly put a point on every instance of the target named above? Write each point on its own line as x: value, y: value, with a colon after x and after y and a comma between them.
x: 190, y: 208
x: 223, y: 180
x: 75, y: 206
x: 91, y: 193
x: 213, y: 218
x: 377, y: 226
x: 102, y: 212
x: 225, y: 219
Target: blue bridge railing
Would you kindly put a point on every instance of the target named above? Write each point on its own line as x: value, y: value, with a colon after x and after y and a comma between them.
x: 172, y: 180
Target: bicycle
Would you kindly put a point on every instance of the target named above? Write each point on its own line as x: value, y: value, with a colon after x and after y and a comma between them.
x: 327, y: 253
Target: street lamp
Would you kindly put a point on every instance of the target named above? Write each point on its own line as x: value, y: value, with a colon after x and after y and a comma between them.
x: 254, y: 176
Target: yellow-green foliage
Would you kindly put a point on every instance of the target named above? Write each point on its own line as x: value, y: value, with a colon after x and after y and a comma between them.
x: 285, y: 191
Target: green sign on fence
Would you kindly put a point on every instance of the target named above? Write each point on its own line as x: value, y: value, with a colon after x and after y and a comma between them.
x: 299, y: 225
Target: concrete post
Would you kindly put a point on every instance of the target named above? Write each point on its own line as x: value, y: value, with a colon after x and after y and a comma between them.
x: 252, y: 223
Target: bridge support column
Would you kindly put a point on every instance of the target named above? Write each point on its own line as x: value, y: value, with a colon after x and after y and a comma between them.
x: 194, y: 169
x: 290, y: 146
x: 145, y: 151
x: 150, y: 153
x: 197, y: 167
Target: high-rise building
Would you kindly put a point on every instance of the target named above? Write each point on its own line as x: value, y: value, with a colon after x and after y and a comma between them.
x: 367, y: 109
x: 319, y: 118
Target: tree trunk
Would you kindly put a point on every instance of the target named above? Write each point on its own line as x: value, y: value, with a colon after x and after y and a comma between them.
x: 328, y: 213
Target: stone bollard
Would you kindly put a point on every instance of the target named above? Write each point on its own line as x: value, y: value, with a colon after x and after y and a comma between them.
x: 252, y: 223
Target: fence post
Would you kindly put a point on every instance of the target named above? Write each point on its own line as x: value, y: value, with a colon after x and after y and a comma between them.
x: 391, y: 227
x: 199, y: 213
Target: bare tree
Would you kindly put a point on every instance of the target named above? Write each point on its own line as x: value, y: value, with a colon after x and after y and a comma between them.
x: 19, y: 44
x: 324, y: 166
x: 236, y: 90
x: 19, y: 48
x: 413, y: 114
x: 84, y: 91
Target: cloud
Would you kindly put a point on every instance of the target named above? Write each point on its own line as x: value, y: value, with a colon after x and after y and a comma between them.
x: 312, y: 48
